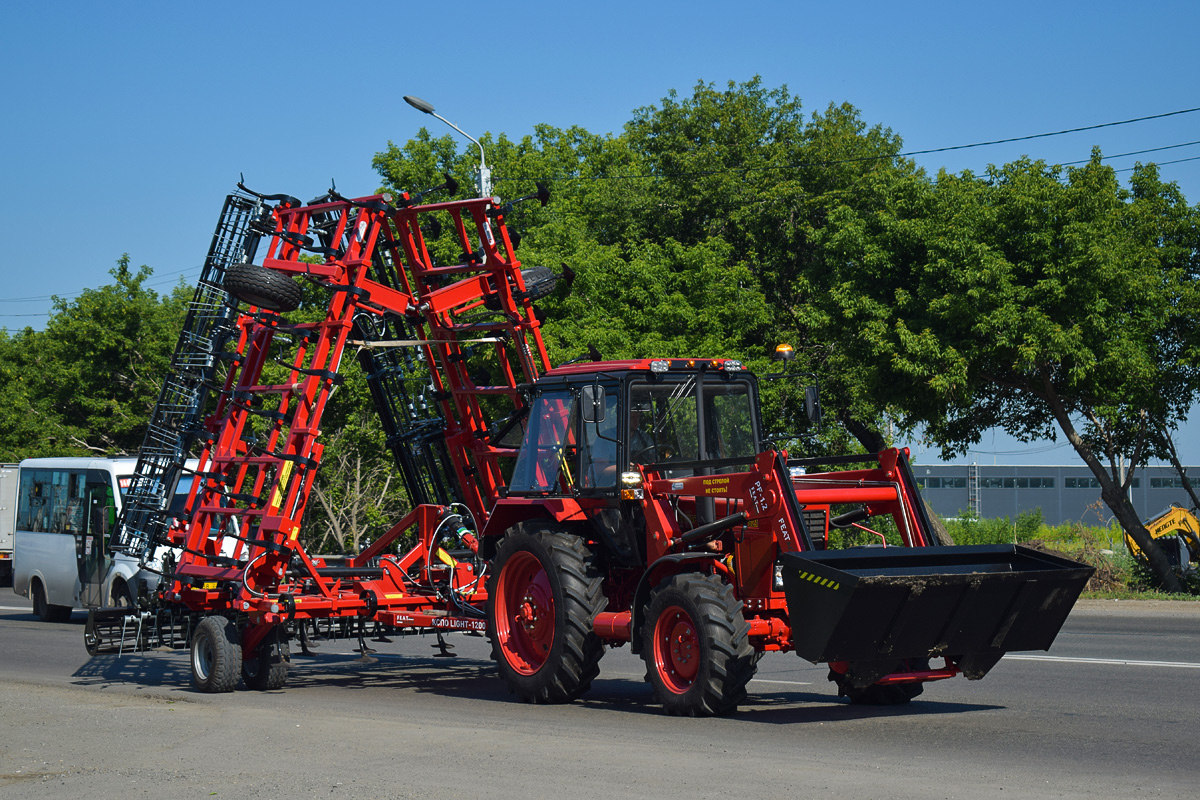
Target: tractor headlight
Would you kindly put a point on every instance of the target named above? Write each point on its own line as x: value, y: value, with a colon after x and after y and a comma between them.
x: 631, y: 486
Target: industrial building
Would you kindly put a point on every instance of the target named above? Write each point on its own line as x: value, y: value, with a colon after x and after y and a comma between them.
x: 1064, y: 494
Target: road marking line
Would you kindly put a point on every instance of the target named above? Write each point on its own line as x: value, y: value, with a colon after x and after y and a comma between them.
x: 786, y: 683
x: 1120, y: 662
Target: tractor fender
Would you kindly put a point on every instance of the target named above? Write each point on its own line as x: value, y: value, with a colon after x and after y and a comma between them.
x: 671, y: 564
x: 510, y: 512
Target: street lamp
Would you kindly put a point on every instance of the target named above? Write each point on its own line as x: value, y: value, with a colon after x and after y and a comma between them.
x: 485, y: 174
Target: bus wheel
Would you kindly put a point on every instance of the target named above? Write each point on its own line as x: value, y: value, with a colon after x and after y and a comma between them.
x: 48, y: 612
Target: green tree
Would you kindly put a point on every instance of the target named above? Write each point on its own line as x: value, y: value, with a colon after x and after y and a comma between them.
x: 88, y: 382
x: 1040, y: 300
x: 1031, y: 300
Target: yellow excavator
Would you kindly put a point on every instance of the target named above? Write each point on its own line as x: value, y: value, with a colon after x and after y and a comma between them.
x: 1180, y: 531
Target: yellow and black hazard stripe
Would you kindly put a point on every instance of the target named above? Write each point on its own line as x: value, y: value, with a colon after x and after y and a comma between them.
x: 819, y: 581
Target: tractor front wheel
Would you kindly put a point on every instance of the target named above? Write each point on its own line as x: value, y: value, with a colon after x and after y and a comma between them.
x: 696, y: 645
x: 544, y: 592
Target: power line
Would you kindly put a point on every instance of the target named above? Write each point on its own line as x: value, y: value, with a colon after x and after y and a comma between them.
x: 168, y: 278
x: 1161, y: 163
x: 1138, y: 153
x: 162, y: 280
x: 1052, y: 133
x: 861, y: 159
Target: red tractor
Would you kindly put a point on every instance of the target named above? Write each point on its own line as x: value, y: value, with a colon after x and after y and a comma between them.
x: 561, y: 510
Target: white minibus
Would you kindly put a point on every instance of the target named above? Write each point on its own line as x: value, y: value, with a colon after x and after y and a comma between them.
x: 66, y: 510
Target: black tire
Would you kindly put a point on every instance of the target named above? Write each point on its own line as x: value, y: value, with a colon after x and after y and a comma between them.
x: 543, y: 594
x: 121, y: 596
x: 539, y: 281
x: 216, y: 655
x: 268, y: 669
x: 48, y: 612
x: 91, y: 643
x: 894, y: 694
x: 696, y: 645
x: 262, y: 287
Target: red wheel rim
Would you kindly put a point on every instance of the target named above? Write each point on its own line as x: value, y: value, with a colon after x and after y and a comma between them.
x: 676, y: 649
x: 524, y: 613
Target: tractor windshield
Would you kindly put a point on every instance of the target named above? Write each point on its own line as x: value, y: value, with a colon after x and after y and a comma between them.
x: 664, y: 423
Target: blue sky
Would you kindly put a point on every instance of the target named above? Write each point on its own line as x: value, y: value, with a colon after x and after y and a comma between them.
x: 127, y: 123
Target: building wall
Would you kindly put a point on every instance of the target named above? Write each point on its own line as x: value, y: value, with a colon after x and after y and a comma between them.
x: 1064, y: 494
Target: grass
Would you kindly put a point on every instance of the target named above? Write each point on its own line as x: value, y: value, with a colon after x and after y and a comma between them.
x: 1118, y: 575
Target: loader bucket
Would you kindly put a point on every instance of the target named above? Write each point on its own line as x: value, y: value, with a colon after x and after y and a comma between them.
x: 883, y: 606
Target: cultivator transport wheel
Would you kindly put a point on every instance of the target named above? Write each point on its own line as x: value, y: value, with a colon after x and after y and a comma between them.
x: 216, y: 655
x: 268, y: 668
x: 696, y: 646
x: 876, y: 694
x: 543, y: 594
x: 263, y: 287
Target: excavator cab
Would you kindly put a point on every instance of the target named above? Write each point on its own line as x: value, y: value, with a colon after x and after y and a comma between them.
x: 1177, y: 532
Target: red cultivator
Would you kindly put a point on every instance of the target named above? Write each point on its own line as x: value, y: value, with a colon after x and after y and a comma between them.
x: 559, y: 510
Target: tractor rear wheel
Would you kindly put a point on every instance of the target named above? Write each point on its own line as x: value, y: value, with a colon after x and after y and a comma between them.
x: 263, y: 287
x: 268, y: 669
x: 696, y: 645
x: 216, y: 655
x: 544, y: 592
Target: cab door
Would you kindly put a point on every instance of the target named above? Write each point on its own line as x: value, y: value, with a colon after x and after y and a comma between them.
x: 92, y: 551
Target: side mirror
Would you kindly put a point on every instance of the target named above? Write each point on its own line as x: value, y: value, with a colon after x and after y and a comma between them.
x: 812, y: 404
x: 591, y: 398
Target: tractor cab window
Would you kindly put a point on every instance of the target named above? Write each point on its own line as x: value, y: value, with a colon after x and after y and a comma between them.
x: 598, y: 464
x: 664, y: 424
x: 545, y: 463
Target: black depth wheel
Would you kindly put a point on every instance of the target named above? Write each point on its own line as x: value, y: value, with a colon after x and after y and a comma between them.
x: 696, y: 645
x: 268, y: 668
x: 216, y: 655
x: 893, y: 694
x: 263, y: 287
x: 544, y: 591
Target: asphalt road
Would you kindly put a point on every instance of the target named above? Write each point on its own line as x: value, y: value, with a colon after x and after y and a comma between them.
x: 1111, y: 711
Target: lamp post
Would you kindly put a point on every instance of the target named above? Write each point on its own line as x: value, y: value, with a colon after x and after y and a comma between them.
x: 485, y: 174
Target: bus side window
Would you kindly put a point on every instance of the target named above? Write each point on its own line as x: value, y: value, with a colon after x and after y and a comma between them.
x: 32, y: 507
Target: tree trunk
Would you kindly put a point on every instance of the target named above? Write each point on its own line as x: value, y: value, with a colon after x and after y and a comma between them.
x: 868, y: 437
x: 1114, y: 496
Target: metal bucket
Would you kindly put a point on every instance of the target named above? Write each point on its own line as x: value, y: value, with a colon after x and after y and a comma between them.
x: 972, y: 604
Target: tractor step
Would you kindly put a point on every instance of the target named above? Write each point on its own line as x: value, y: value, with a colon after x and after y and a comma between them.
x: 971, y: 604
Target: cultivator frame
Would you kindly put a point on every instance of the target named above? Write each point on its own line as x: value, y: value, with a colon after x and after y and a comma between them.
x: 238, y: 551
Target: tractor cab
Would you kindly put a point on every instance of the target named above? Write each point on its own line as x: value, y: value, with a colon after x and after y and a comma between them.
x: 590, y: 423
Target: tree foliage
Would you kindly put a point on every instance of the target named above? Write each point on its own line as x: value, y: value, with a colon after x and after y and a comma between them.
x: 86, y: 385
